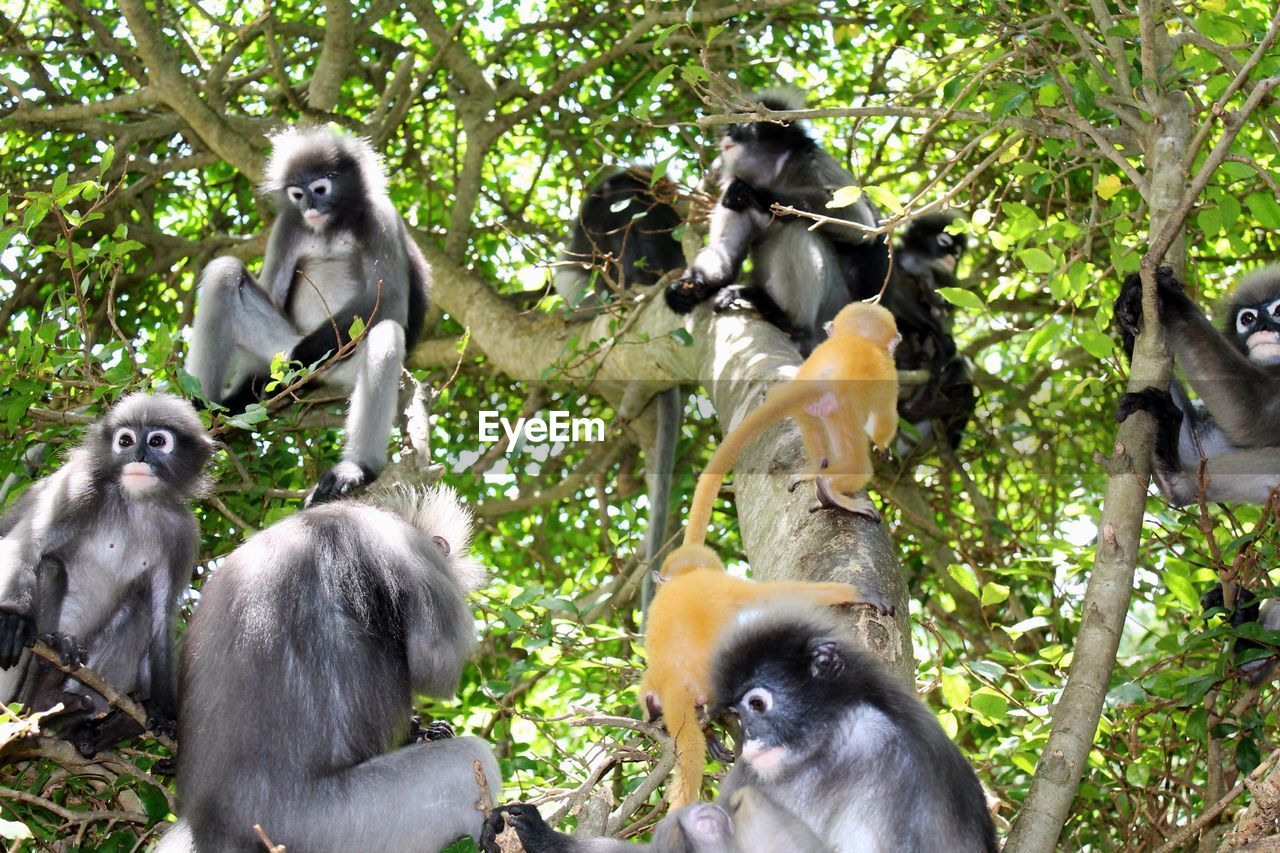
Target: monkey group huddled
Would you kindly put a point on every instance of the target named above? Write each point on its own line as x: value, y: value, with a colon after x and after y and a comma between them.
x: 291, y: 696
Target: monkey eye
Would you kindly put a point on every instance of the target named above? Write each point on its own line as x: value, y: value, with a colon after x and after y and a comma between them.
x: 295, y: 194
x: 321, y: 187
x: 946, y: 242
x: 124, y: 437
x: 1246, y: 319
x: 758, y: 700
x: 160, y: 439
x: 1274, y: 308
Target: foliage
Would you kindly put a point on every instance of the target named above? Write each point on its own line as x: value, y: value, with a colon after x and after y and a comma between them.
x: 492, y: 118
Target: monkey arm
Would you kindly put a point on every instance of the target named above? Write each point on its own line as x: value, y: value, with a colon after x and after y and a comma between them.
x: 1242, y: 398
x: 720, y: 261
x: 41, y: 521
x: 162, y: 663
x: 280, y: 264
x: 537, y: 837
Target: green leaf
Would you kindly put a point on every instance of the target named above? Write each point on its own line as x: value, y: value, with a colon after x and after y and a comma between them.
x: 845, y: 196
x: 1037, y: 261
x: 964, y: 576
x: 955, y: 690
x: 108, y: 157
x: 962, y: 298
x: 682, y: 336
x: 1180, y: 585
x: 994, y: 593
x: 1097, y: 344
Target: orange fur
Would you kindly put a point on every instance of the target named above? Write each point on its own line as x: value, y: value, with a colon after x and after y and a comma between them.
x: 844, y: 395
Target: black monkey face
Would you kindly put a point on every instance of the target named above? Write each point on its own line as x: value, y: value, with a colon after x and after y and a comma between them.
x: 1258, y: 331
x: 322, y: 192
x: 141, y: 451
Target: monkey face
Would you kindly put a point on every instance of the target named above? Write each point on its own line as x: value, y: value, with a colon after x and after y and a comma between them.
x: 322, y: 191
x: 1258, y: 331
x: 152, y: 446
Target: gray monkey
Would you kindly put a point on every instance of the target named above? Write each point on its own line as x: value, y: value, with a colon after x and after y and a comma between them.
x: 98, y: 555
x: 301, y: 665
x: 802, y: 276
x: 338, y: 251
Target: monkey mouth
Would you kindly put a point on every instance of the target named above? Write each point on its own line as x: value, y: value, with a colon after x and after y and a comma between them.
x: 137, y: 477
x: 315, y: 219
x: 1264, y: 347
x: 764, y: 759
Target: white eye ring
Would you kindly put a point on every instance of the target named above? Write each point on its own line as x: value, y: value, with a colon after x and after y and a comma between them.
x: 321, y: 187
x: 1274, y: 308
x: 160, y: 440
x: 758, y: 700
x: 124, y: 438
x: 295, y: 194
x: 1246, y: 319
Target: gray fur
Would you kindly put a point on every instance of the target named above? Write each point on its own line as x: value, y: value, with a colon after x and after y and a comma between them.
x: 303, y: 660
x: 359, y: 262
x: 855, y: 755
x: 119, y: 559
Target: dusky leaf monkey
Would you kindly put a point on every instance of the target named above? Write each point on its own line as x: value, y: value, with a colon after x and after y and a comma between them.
x: 1236, y: 375
x: 96, y: 558
x: 305, y: 654
x: 338, y: 251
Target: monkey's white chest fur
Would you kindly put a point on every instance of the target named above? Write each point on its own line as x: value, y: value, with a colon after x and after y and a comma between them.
x: 117, y: 550
x: 326, y: 279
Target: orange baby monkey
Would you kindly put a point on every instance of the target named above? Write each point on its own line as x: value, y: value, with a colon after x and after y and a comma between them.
x: 843, y: 396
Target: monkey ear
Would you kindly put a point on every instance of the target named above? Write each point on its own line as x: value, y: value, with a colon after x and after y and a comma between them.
x: 442, y: 544
x: 825, y: 662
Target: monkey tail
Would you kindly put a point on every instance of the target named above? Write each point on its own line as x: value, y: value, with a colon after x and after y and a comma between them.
x: 780, y: 400
x: 691, y: 749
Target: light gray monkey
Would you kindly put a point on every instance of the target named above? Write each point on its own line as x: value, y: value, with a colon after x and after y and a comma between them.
x: 337, y: 251
x: 300, y: 668
x: 802, y: 276
x: 98, y: 555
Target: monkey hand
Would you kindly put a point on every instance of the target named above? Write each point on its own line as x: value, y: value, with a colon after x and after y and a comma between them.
x: 340, y: 481
x: 685, y: 293
x: 1128, y: 310
x: 17, y: 632
x: 437, y: 730
x: 162, y: 719
x: 70, y: 652
x: 1154, y: 401
x: 522, y: 819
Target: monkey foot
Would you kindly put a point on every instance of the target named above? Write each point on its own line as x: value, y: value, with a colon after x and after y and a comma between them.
x: 828, y: 498
x: 882, y: 605
x: 341, y: 481
x: 717, y: 750
x: 69, y: 650
x: 808, y: 476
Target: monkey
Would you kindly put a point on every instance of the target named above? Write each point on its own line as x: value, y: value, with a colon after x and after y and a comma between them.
x: 1252, y: 659
x: 844, y: 395
x: 747, y: 822
x: 801, y: 276
x: 96, y: 557
x: 623, y: 235
x: 853, y: 754
x: 338, y: 252
x: 1236, y: 375
x: 303, y: 657
x: 925, y: 260
x: 626, y: 230
x: 695, y: 601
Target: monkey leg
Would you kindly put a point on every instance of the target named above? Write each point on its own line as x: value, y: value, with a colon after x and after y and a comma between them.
x: 371, y: 412
x: 420, y: 797
x: 237, y: 330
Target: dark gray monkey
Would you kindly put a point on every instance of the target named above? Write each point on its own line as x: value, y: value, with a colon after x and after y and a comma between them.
x: 624, y: 234
x: 748, y: 822
x: 925, y: 259
x: 1236, y: 375
x: 337, y: 251
x: 802, y: 276
x: 300, y: 669
x: 856, y: 755
x: 99, y: 555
